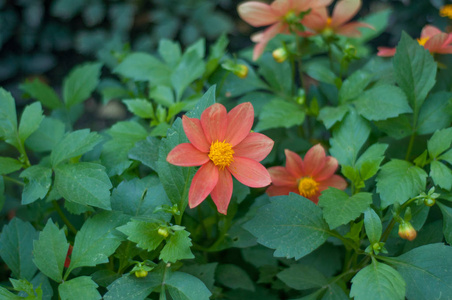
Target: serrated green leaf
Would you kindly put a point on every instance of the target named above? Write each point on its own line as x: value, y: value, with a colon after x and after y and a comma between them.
x: 205, y: 272
x: 162, y: 95
x: 354, y: 85
x: 190, y: 68
x: 339, y: 208
x: 447, y: 221
x: 26, y: 290
x: 8, y: 118
x: 436, y: 113
x: 84, y: 183
x: 183, y: 286
x: 301, y: 277
x: 39, y: 181
x: 41, y: 92
x: 130, y: 287
x: 331, y: 115
x: 50, y: 251
x: 96, y: 240
x: 7, y: 295
x: 74, y: 144
x: 439, y: 142
x: 80, y: 83
x: 373, y: 225
x: 397, y: 128
x: 47, y: 136
x: 382, y: 102
x: 378, y: 281
x: 146, y: 151
x: 9, y: 165
x: 16, y: 247
x: 144, y: 234
x: 321, y: 71
x: 427, y: 271
x: 278, y: 75
x: 170, y: 51
x: 414, y: 70
x: 441, y: 175
x: 379, y: 22
x: 279, y: 113
x: 140, y: 107
x: 144, y: 67
x: 177, y: 247
x: 30, y: 120
x: 233, y: 277
x: 398, y: 181
x: 348, y: 138
x: 293, y: 225
x: 81, y: 287
x: 369, y: 162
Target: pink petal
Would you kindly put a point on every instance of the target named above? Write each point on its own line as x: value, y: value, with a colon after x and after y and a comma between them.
x: 328, y: 169
x: 257, y: 13
x: 386, y: 52
x: 186, y: 155
x: 351, y: 29
x: 281, y: 190
x: 315, y: 198
x: 195, y: 133
x: 249, y: 172
x: 214, y: 121
x: 335, y: 181
x: 344, y: 11
x: 222, y: 192
x: 316, y: 20
x: 435, y: 43
x: 294, y: 164
x: 429, y: 31
x: 266, y: 36
x: 445, y: 50
x: 255, y: 146
x: 303, y: 5
x: 314, y: 160
x: 281, y: 7
x: 281, y: 177
x: 240, y: 121
x: 202, y: 184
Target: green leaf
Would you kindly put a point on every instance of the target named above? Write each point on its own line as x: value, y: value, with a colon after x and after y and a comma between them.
x: 279, y: 113
x: 399, y: 181
x: 190, y: 68
x: 354, y: 85
x: 183, y: 286
x: 436, y: 113
x: 378, y: 281
x: 427, y: 271
x: 129, y: 287
x: 205, y: 272
x: 397, y: 128
x: 26, y: 288
x: 47, y: 136
x: 144, y: 234
x: 339, y: 208
x: 96, y: 240
x: 79, y: 288
x: 39, y: 180
x: 348, y: 138
x: 233, y: 277
x: 30, y: 120
x: 8, y: 118
x: 2, y: 192
x: 84, y: 183
x: 162, y: 95
x: 293, y: 225
x: 144, y: 67
x: 382, y: 102
x: 373, y: 225
x: 439, y: 142
x: 170, y: 51
x: 16, y: 247
x: 7, y: 295
x: 74, y: 144
x: 278, y: 75
x: 80, y: 83
x: 50, y: 251
x: 369, y: 162
x: 140, y: 107
x: 301, y: 277
x: 321, y: 71
x: 441, y: 175
x: 447, y: 221
x: 379, y: 21
x: 414, y: 70
x: 177, y: 247
x: 146, y: 151
x: 9, y: 165
x: 331, y: 115
x: 41, y: 92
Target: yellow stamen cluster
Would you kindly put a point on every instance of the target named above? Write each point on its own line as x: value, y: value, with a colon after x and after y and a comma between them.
x: 446, y: 11
x: 221, y: 154
x: 328, y: 22
x: 308, y: 187
x: 422, y: 41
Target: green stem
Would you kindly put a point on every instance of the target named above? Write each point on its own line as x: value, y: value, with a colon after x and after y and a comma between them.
x: 410, y: 146
x: 63, y: 217
x: 13, y: 180
x: 162, y: 292
x: 391, y: 225
x: 345, y: 241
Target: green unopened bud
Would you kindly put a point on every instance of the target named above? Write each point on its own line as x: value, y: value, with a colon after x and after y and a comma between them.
x: 141, y: 273
x: 376, y: 246
x: 163, y: 232
x: 241, y: 71
x: 301, y: 97
x: 280, y: 55
x: 429, y: 201
x: 406, y: 231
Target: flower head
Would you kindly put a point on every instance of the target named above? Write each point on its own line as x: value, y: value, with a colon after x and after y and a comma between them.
x: 279, y: 14
x: 222, y: 144
x: 406, y: 231
x: 318, y: 21
x: 432, y: 39
x: 446, y: 11
x: 308, y: 177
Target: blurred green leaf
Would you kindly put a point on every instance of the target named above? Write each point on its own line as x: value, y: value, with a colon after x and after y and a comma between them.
x: 279, y: 113
x: 190, y: 68
x: 441, y: 175
x: 8, y: 118
x: 379, y: 21
x: 369, y: 162
x: 144, y: 67
x: 436, y: 113
x: 447, y: 221
x: 146, y: 151
x: 82, y: 287
x: 9, y: 165
x: 130, y: 287
x: 170, y: 52
x: 46, y: 137
x: 373, y: 225
x: 354, y: 85
x: 439, y: 142
x: 38, y: 182
x: 233, y: 277
x: 183, y: 286
x: 301, y: 277
x: 80, y: 83
x: 32, y: 117
x: 41, y: 92
x: 140, y: 107
x: 331, y: 115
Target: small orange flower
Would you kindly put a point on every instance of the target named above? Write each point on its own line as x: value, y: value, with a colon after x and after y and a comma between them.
x: 406, y: 231
x: 308, y: 177
x: 446, y: 11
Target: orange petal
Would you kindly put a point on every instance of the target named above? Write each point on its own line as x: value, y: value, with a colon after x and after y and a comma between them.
x: 386, y: 52
x: 266, y: 36
x: 214, y: 122
x: 303, y: 5
x: 202, y: 184
x: 195, y: 133
x: 314, y: 160
x: 281, y: 177
x: 328, y: 169
x: 437, y: 42
x: 255, y: 146
x: 280, y: 190
x: 335, y: 181
x: 249, y: 172
x: 186, y: 155
x: 429, y: 31
x: 222, y: 192
x: 344, y: 11
x: 351, y: 29
x: 281, y: 7
x: 316, y: 19
x: 294, y: 164
x: 257, y: 13
x: 240, y: 121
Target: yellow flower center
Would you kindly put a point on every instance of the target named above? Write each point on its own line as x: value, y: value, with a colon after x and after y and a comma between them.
x: 221, y: 154
x: 422, y: 41
x: 290, y: 17
x: 328, y: 22
x: 446, y: 11
x: 308, y: 187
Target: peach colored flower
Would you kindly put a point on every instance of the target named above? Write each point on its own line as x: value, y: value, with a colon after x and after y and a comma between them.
x: 308, y: 177
x: 318, y: 21
x: 433, y: 39
x: 222, y: 144
x: 278, y: 14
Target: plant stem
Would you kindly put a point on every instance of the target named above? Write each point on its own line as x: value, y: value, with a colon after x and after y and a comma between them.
x: 13, y: 180
x: 162, y: 292
x: 63, y: 217
x: 345, y: 241
x: 410, y: 146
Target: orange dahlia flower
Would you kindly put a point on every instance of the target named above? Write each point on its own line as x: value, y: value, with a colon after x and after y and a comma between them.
x: 222, y: 144
x: 308, y: 177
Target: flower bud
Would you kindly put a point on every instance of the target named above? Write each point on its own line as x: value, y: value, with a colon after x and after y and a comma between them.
x: 429, y: 201
x: 241, y: 71
x: 406, y: 231
x: 280, y: 55
x: 141, y: 273
x: 163, y: 232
